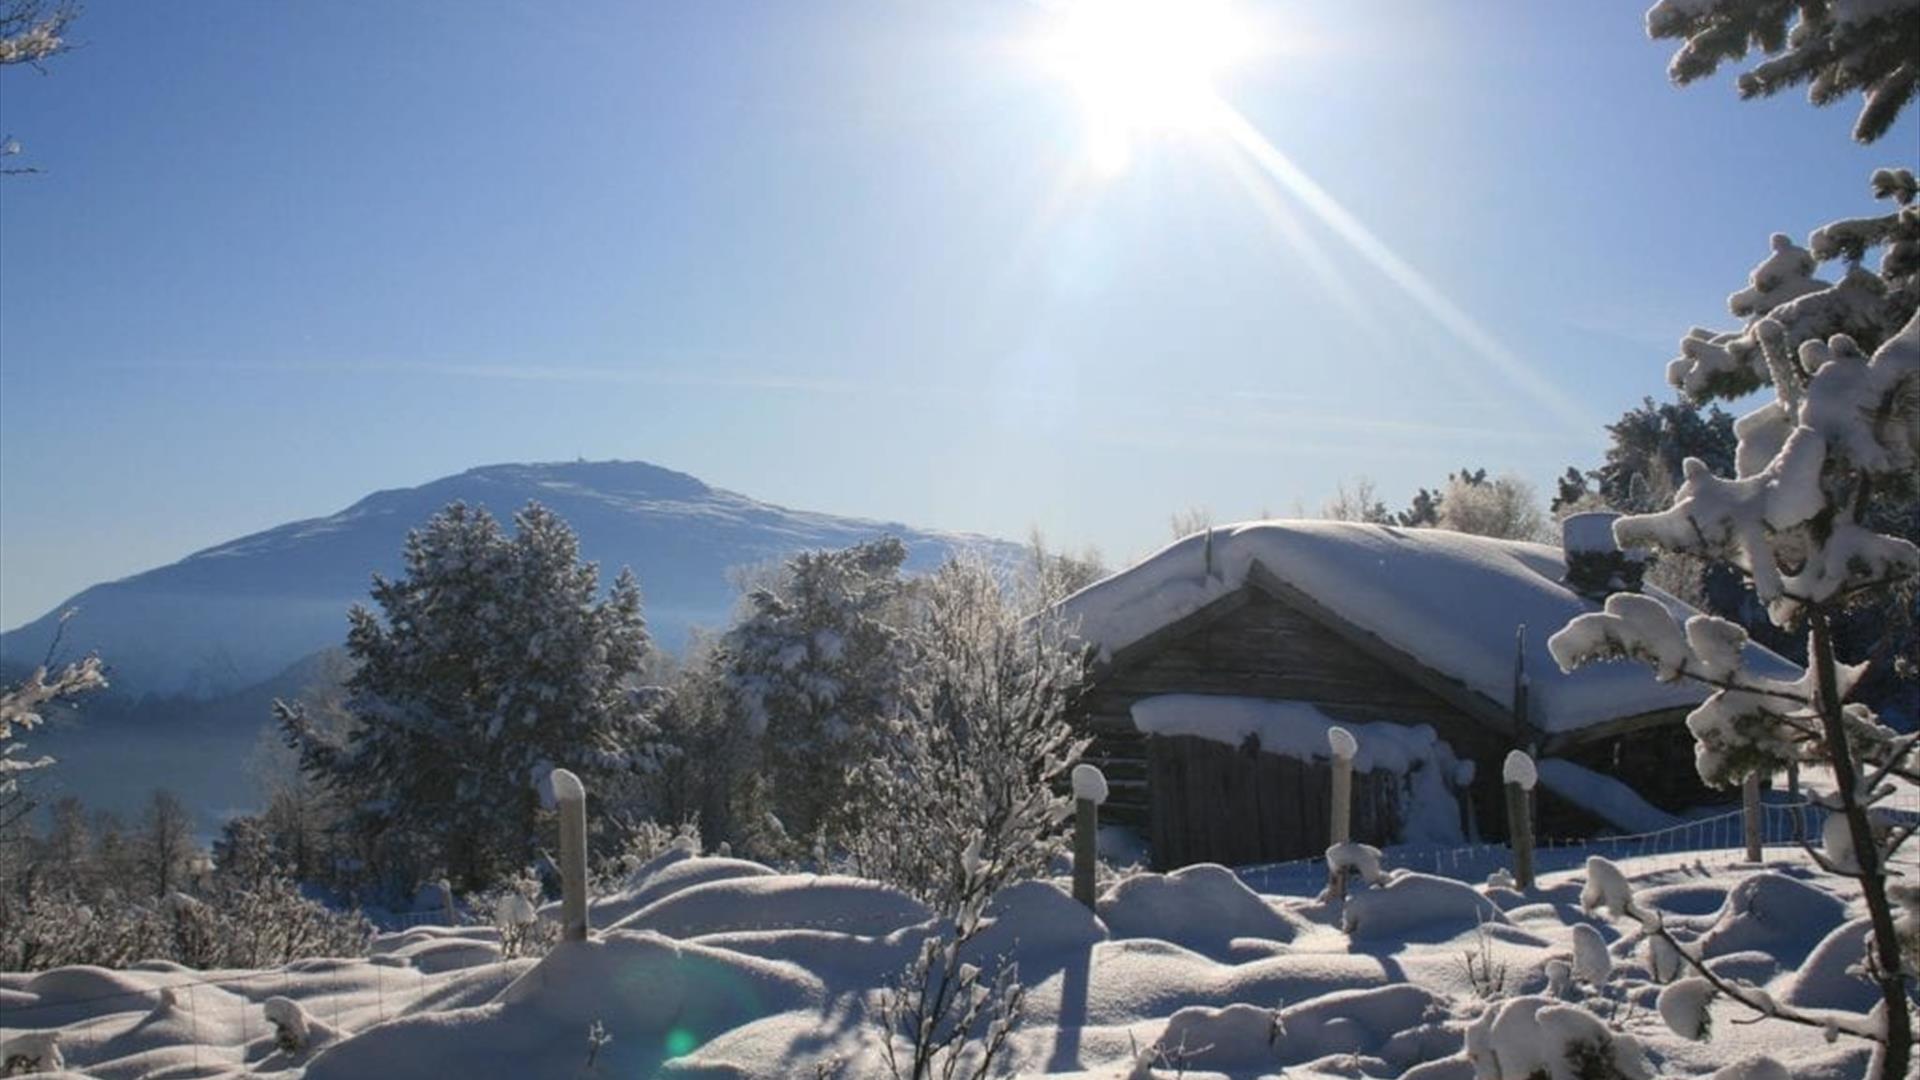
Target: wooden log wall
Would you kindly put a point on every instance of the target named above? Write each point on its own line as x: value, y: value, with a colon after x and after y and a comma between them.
x: 1217, y: 803
x: 1254, y: 645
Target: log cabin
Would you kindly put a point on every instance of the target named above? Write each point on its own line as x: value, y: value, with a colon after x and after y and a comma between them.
x: 1222, y: 661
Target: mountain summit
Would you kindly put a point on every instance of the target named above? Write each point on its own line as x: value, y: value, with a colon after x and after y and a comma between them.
x: 234, y: 615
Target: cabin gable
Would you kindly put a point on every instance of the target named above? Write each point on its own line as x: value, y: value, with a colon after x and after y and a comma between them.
x: 1254, y: 644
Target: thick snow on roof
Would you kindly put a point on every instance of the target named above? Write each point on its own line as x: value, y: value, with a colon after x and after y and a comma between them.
x: 1451, y: 600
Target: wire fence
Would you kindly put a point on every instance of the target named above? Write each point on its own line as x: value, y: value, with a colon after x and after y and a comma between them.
x: 1715, y: 841
x: 94, y: 1028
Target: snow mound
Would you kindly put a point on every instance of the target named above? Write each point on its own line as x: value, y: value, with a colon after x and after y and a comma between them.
x: 1391, y: 1023
x: 779, y: 902
x: 435, y: 955
x: 1385, y: 1023
x: 1775, y: 914
x: 1037, y: 917
x: 1826, y: 980
x: 1410, y: 902
x: 655, y: 996
x: 1753, y: 1068
x: 1604, y: 797
x: 1201, y: 907
x: 666, y: 873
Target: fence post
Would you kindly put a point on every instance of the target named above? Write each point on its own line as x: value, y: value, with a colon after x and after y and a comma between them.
x: 1520, y: 776
x: 1340, y: 819
x: 1089, y: 791
x: 1750, y: 813
x: 571, y: 795
x: 446, y: 902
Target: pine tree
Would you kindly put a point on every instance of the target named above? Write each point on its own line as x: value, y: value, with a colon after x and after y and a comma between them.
x: 493, y: 660
x: 814, y: 668
x: 1833, y: 47
x: 1784, y: 298
x: 1651, y: 441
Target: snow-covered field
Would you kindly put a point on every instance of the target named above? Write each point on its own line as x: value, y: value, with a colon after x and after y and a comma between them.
x: 719, y: 967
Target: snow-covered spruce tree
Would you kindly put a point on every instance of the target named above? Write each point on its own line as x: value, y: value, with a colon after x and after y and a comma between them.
x: 813, y: 666
x: 1841, y: 425
x: 493, y: 660
x: 1834, y: 47
x: 975, y: 760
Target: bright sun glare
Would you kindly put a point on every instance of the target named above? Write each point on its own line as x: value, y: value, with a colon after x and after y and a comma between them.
x: 1143, y: 67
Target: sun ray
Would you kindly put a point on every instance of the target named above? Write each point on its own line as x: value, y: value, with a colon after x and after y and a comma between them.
x: 1422, y: 292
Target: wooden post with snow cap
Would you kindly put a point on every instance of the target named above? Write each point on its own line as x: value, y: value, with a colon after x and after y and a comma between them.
x: 1520, y: 776
x: 1089, y: 791
x: 571, y: 796
x: 1750, y: 815
x: 1340, y: 819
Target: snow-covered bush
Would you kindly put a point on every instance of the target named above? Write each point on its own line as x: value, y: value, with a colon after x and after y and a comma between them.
x: 289, y: 1020
x: 33, y: 1052
x: 1537, y: 1038
x: 514, y: 909
x: 946, y: 1015
x: 494, y: 659
x: 264, y: 926
x: 979, y: 756
x: 1592, y: 964
x: 1683, y: 1005
x: 641, y: 843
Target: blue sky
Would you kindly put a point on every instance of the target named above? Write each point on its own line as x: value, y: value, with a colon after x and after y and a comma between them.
x: 842, y: 256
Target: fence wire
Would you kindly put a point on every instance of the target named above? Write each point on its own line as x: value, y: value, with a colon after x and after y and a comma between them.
x: 1716, y: 841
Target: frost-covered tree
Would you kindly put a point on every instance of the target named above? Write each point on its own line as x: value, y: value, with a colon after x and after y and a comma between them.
x: 164, y: 843
x: 1841, y: 424
x: 1506, y: 507
x: 1833, y: 47
x: 22, y: 708
x: 1472, y: 502
x: 31, y: 31
x: 1051, y: 576
x: 975, y: 759
x: 1359, y: 503
x: 813, y: 666
x: 493, y: 660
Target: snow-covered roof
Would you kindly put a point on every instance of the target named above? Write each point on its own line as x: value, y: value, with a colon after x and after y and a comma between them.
x: 1449, y: 600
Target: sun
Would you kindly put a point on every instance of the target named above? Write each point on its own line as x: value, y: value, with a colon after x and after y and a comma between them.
x: 1142, y: 67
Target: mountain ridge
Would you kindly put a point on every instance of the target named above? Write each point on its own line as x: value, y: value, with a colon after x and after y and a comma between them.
x: 241, y: 611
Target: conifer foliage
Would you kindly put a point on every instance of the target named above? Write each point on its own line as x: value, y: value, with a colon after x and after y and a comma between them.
x: 1843, y: 429
x: 814, y: 666
x: 1833, y: 47
x: 491, y: 661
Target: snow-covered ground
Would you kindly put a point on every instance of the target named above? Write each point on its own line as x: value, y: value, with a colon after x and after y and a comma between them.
x: 723, y: 968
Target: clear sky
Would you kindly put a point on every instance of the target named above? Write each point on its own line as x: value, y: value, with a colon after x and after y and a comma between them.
x: 869, y: 258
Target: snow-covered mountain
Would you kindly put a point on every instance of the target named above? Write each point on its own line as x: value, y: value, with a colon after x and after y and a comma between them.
x: 229, y: 617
